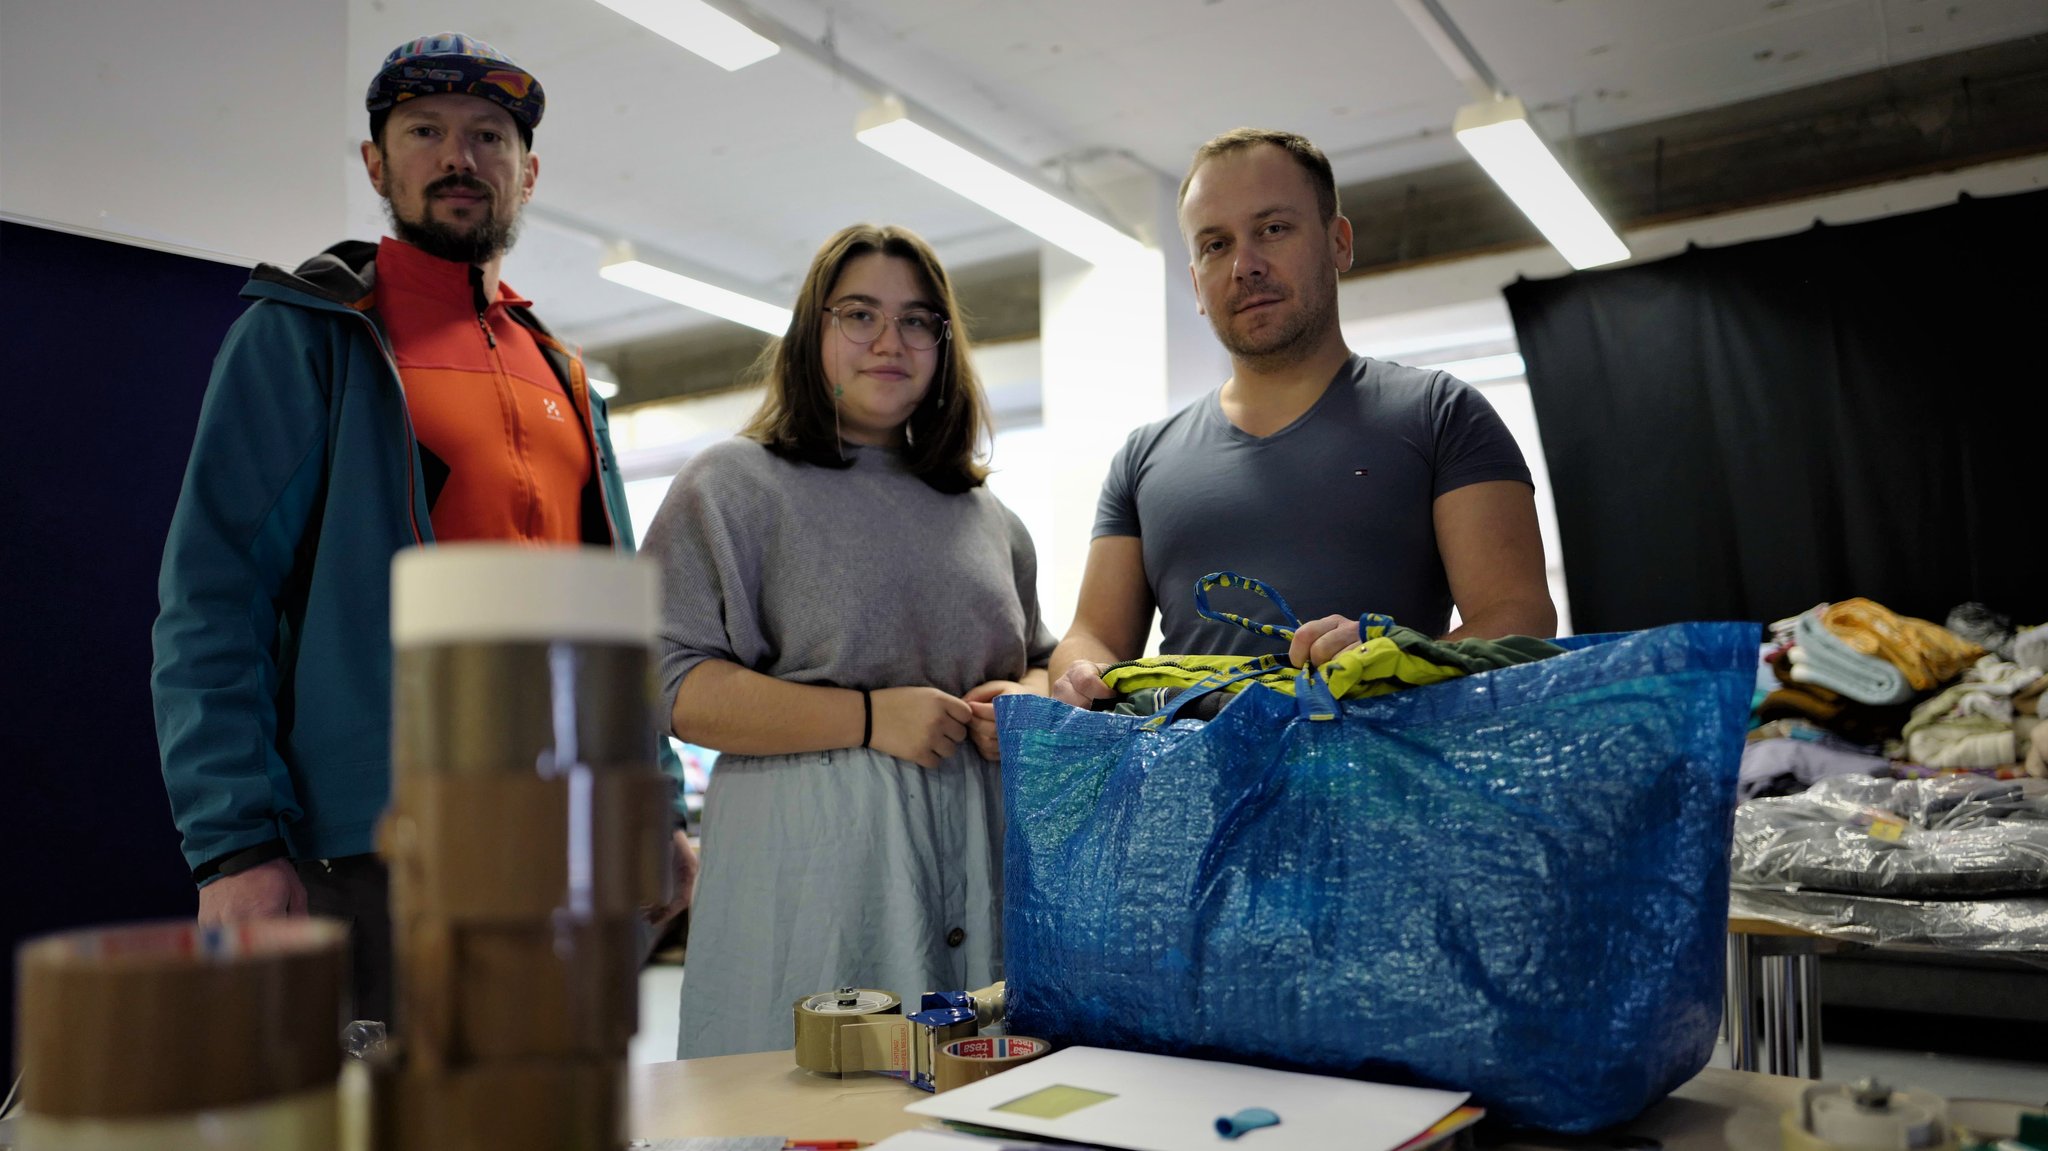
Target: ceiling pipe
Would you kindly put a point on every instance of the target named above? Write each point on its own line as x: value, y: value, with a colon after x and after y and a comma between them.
x: 1444, y: 38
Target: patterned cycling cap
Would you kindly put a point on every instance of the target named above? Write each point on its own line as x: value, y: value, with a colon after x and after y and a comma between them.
x: 451, y: 62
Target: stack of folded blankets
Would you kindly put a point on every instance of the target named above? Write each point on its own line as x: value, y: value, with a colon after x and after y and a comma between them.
x: 1873, y: 655
x: 1863, y: 690
x: 1984, y: 720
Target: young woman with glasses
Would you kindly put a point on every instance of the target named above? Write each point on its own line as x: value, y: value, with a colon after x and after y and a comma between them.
x: 843, y: 599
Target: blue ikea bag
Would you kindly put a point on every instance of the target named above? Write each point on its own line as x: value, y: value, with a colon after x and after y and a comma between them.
x: 1514, y: 883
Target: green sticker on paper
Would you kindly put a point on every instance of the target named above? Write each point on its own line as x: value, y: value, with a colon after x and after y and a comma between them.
x: 1054, y: 1102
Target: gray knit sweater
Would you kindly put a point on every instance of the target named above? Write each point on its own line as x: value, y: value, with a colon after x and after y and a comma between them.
x: 863, y: 578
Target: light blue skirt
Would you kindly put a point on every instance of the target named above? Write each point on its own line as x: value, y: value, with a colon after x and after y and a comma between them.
x: 839, y: 868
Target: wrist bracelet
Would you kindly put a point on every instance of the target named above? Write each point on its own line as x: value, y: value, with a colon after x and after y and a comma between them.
x: 867, y: 718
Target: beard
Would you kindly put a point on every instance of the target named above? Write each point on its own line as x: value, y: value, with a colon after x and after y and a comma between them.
x: 477, y: 242
x: 1294, y: 339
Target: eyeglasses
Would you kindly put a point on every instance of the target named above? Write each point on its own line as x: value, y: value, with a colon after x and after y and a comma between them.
x: 917, y: 328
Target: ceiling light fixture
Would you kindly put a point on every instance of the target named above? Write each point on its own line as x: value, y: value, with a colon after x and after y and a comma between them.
x: 888, y: 128
x: 1498, y: 134
x: 622, y: 267
x: 699, y: 27
x: 1496, y: 130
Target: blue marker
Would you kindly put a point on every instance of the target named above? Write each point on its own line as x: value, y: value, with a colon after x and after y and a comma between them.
x: 1249, y: 1119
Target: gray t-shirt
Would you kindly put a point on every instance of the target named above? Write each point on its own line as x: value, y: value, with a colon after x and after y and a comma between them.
x: 1333, y: 510
x: 863, y: 578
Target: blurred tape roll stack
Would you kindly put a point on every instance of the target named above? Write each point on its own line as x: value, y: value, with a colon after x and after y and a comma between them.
x: 177, y: 1037
x: 528, y: 827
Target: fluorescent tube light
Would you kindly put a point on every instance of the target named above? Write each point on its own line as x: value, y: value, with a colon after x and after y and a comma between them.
x: 699, y: 27
x: 680, y: 289
x: 1480, y: 369
x: 1499, y: 136
x: 888, y: 129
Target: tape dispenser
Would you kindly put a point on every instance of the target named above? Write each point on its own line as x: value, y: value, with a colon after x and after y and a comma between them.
x: 851, y: 1030
x: 1867, y: 1116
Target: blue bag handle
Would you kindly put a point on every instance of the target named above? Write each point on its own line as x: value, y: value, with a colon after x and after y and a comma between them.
x: 1313, y: 699
x: 1254, y: 586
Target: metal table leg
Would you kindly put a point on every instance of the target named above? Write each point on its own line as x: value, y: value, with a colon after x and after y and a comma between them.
x: 1809, y: 991
x: 1773, y: 998
x: 1741, y: 1003
x: 1785, y: 1028
x: 1773, y: 988
x: 1727, y: 1033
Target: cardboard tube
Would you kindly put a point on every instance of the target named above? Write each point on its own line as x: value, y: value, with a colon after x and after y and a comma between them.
x: 473, y: 993
x: 487, y: 708
x: 174, y: 1018
x: 496, y: 848
x: 559, y: 1105
x: 529, y: 826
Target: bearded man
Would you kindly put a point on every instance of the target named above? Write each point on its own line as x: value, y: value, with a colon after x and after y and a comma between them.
x: 378, y: 397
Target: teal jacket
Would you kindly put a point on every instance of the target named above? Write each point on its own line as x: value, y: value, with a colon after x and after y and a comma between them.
x: 272, y: 675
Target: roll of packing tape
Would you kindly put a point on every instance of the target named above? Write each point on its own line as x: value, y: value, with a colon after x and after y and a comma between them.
x: 819, y: 1018
x: 1836, y: 1117
x: 964, y: 1061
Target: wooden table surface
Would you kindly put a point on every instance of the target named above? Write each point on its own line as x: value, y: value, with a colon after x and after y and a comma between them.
x: 767, y: 1094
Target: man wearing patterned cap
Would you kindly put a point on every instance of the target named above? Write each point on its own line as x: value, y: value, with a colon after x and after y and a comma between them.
x: 377, y: 397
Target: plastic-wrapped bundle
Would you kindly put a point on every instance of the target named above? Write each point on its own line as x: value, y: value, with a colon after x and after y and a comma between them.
x: 2015, y: 925
x: 1513, y: 883
x: 1961, y: 836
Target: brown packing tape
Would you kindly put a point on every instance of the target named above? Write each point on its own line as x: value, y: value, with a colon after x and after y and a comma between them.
x: 497, y: 847
x: 970, y: 1060
x: 1902, y: 1118
x: 486, y: 709
x: 818, y: 1031
x: 899, y: 1046
x: 155, y: 1020
x: 878, y: 1045
x: 558, y: 1105
x: 472, y: 993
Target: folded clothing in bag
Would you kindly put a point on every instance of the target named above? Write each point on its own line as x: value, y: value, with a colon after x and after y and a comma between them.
x: 1386, y: 658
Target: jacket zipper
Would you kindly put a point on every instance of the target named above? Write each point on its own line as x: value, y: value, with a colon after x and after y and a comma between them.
x: 503, y: 380
x: 411, y: 437
x: 476, y: 293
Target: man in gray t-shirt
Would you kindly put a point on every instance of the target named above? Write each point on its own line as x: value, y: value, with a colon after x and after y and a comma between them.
x: 1373, y: 454
x: 1350, y: 485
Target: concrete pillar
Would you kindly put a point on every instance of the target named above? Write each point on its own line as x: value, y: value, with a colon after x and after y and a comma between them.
x: 1121, y: 346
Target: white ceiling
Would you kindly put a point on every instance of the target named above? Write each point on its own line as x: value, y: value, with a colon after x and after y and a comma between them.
x: 746, y: 173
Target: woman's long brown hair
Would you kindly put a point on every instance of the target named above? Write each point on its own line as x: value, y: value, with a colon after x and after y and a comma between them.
x: 948, y: 428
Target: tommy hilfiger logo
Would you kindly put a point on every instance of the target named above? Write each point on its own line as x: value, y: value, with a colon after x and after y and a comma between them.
x: 554, y: 409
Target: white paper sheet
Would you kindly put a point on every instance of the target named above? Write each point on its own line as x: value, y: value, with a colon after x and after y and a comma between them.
x: 1166, y: 1104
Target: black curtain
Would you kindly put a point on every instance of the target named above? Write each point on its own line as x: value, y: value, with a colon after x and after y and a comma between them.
x: 106, y: 353
x: 1743, y: 432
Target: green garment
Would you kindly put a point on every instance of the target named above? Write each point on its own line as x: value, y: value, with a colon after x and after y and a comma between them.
x: 1388, y: 658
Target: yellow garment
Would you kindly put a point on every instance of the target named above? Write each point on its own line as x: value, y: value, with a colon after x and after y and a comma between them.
x: 1376, y: 666
x: 1927, y: 653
